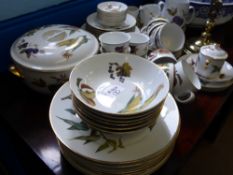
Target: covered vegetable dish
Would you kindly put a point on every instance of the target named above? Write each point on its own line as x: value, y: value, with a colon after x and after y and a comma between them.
x: 45, y: 56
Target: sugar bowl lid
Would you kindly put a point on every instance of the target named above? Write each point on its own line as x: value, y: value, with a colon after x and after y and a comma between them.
x: 214, y: 51
x: 53, y: 47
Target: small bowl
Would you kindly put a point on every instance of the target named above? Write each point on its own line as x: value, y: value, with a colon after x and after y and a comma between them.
x: 45, y: 56
x: 111, y: 13
x: 108, y: 83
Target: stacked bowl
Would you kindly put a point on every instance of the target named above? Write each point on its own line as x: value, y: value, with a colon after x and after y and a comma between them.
x: 113, y: 93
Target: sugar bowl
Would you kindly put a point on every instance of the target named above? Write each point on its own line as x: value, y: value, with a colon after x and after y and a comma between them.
x: 45, y: 56
x: 111, y: 13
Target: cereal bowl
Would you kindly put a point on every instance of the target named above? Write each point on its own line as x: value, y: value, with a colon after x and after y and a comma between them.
x: 45, y: 56
x: 119, y: 84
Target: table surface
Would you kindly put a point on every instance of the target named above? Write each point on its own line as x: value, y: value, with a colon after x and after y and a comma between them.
x: 26, y: 112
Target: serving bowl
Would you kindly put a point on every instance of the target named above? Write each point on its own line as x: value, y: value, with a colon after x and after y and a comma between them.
x: 45, y: 56
x: 118, y: 84
x: 202, y: 8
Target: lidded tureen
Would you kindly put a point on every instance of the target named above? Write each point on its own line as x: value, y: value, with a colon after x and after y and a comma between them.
x: 45, y: 56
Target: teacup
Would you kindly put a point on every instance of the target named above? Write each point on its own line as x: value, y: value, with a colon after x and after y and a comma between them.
x: 210, y: 61
x: 115, y: 42
x: 162, y: 56
x: 186, y: 82
x: 171, y: 37
x: 147, y: 12
x: 139, y: 44
x: 179, y: 12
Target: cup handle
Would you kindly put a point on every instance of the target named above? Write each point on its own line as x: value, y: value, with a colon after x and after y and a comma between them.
x: 190, y: 98
x: 161, y: 5
x: 192, y: 11
x: 15, y: 71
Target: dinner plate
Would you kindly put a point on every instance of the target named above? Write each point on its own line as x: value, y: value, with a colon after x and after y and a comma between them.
x: 129, y: 22
x: 75, y: 135
x: 145, y: 167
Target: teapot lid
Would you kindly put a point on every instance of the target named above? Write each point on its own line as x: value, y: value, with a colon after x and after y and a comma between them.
x: 53, y: 47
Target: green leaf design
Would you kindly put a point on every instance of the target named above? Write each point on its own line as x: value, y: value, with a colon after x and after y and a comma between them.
x: 215, y: 68
x: 67, y: 97
x: 120, y: 145
x: 75, y: 125
x: 113, y: 144
x: 88, y: 138
x: 93, y: 136
x: 70, y: 111
x: 102, y: 147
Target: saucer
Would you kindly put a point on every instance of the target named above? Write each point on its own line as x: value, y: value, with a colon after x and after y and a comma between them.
x: 221, y: 83
x: 71, y: 131
x: 129, y: 22
x: 214, y: 87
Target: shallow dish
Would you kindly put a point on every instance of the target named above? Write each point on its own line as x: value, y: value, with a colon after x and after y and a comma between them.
x: 45, y: 56
x: 119, y: 84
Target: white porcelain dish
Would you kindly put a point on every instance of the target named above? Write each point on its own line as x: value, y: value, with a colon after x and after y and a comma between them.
x: 117, y: 84
x: 45, y: 56
x: 71, y: 131
x: 202, y: 8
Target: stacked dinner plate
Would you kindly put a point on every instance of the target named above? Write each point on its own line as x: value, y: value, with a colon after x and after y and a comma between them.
x: 136, y: 153
x: 118, y: 93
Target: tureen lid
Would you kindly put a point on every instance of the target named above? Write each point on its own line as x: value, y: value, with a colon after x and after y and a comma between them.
x: 53, y: 47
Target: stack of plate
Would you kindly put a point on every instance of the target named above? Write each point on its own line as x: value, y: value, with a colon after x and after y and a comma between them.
x: 225, y: 79
x: 93, y: 26
x: 141, y: 152
x: 113, y: 92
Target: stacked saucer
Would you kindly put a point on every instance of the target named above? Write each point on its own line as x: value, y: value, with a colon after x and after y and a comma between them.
x: 108, y: 153
x: 110, y: 16
x: 224, y: 81
x: 118, y: 93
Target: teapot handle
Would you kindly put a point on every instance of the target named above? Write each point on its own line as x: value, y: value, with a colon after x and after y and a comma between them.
x: 192, y: 12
